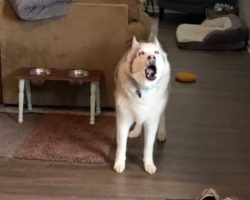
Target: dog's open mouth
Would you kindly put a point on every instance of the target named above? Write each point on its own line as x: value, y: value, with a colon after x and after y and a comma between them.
x: 150, y: 72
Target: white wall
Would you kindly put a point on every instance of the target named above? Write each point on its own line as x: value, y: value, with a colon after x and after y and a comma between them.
x: 244, y: 9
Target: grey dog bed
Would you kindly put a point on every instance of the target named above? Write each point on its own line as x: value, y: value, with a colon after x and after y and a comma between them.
x: 223, y: 33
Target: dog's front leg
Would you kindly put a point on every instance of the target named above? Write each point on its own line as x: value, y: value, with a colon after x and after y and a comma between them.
x: 123, y: 123
x: 150, y: 126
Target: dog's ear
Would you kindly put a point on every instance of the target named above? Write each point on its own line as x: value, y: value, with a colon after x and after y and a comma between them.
x: 156, y: 42
x: 164, y: 54
x: 135, y: 43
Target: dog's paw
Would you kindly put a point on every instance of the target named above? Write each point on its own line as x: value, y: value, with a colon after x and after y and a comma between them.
x: 161, y: 137
x: 134, y: 133
x: 119, y: 167
x: 150, y: 168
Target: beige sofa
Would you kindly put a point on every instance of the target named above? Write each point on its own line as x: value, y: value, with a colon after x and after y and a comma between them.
x: 93, y: 35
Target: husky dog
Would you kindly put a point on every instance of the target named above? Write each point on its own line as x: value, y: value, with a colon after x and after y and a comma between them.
x: 142, y: 78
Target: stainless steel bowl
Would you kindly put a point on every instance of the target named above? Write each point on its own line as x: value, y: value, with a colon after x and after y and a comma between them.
x: 78, y: 73
x: 40, y: 72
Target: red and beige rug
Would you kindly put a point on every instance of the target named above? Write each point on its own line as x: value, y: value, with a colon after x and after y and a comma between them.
x: 69, y: 138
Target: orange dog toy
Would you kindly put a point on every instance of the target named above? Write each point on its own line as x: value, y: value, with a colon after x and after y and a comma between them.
x: 185, y: 77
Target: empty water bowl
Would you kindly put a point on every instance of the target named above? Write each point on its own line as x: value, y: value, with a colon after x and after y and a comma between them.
x: 40, y: 72
x: 78, y: 73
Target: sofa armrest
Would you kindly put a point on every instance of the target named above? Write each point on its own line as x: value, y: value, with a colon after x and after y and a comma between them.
x: 140, y: 29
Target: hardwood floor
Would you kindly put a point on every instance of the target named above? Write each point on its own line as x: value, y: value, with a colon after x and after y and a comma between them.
x: 208, y: 141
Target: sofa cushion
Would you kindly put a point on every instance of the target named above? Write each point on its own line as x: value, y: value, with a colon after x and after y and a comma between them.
x: 133, y: 6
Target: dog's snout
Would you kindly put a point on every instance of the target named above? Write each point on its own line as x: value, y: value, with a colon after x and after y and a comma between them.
x: 151, y: 58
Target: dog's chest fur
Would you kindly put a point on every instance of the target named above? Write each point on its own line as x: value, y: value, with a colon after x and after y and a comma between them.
x: 142, y: 107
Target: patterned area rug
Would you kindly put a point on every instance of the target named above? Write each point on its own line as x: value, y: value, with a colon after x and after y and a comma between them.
x: 69, y: 138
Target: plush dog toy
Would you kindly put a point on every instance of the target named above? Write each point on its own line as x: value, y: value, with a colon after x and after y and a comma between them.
x: 185, y: 77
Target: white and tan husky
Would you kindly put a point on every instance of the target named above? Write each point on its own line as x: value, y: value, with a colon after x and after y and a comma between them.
x: 141, y: 94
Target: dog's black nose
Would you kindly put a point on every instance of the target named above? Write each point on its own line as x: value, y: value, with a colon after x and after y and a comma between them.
x: 150, y: 72
x: 151, y: 58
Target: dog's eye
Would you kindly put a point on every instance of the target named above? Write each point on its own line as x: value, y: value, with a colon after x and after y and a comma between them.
x: 157, y: 52
x: 141, y: 53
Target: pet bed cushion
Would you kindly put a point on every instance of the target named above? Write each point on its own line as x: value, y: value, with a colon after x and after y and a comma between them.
x: 220, y: 33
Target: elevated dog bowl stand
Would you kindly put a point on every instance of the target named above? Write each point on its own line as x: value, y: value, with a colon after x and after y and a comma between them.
x: 24, y: 76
